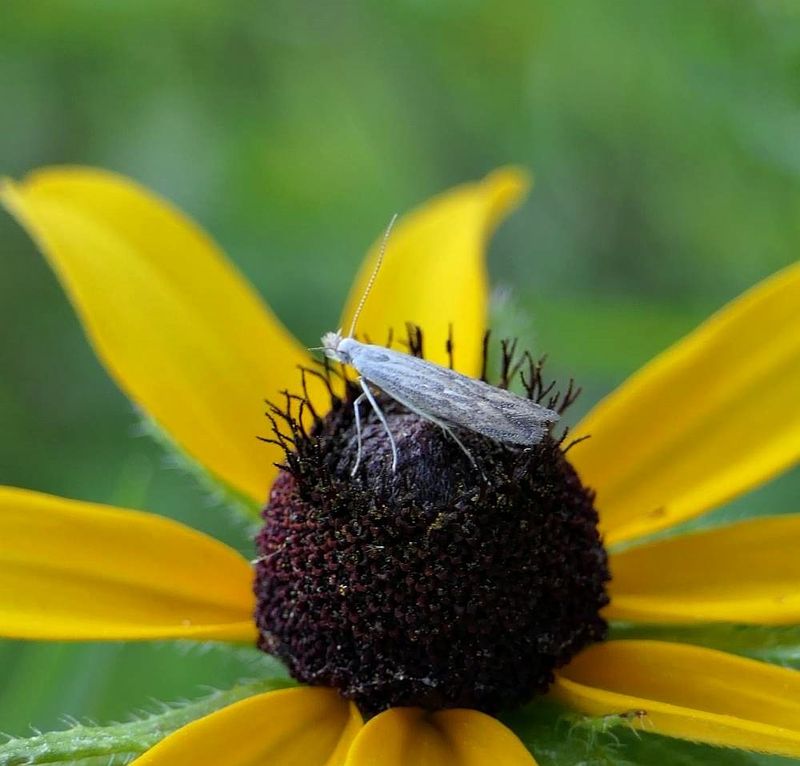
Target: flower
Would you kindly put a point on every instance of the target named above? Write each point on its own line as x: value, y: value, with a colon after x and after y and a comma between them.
x: 192, y: 345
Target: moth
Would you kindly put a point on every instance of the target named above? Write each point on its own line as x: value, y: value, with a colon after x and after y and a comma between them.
x: 433, y: 392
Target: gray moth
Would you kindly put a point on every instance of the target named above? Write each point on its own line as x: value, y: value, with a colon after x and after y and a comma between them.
x: 433, y: 392
x: 440, y: 395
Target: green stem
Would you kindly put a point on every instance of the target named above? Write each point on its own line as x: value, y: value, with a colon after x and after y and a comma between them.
x: 119, y: 743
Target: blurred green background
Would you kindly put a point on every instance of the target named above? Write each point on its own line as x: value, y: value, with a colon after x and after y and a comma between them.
x: 664, y: 138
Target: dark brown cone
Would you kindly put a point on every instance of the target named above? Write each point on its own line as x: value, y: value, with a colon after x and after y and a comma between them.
x: 429, y: 587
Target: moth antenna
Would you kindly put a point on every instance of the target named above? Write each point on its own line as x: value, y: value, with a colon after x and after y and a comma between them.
x: 373, y: 276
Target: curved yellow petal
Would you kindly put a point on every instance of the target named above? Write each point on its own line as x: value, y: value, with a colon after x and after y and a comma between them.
x: 707, y: 420
x: 177, y: 327
x: 74, y: 570
x: 688, y: 692
x: 292, y: 727
x: 402, y: 736
x: 747, y: 572
x: 434, y: 272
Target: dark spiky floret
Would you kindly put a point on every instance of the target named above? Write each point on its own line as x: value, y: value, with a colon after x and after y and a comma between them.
x: 432, y: 586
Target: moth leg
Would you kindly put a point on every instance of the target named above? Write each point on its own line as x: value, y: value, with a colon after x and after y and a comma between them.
x: 449, y: 432
x: 360, y: 398
x: 382, y: 418
x: 452, y: 434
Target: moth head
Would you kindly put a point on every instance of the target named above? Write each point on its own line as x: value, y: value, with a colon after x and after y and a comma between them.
x: 331, y: 346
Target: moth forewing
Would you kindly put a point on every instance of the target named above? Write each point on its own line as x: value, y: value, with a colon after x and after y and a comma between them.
x: 447, y: 396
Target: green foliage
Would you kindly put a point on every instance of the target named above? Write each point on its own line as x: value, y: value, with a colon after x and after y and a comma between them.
x: 120, y: 743
x: 557, y: 737
x: 42, y: 683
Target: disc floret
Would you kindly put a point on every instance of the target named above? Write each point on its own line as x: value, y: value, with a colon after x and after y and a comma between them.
x: 436, y: 585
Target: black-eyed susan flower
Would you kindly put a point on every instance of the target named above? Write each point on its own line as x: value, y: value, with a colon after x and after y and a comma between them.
x: 432, y: 595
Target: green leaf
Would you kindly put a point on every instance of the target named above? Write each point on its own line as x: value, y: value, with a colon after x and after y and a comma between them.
x: 558, y: 737
x: 119, y: 743
x: 778, y: 644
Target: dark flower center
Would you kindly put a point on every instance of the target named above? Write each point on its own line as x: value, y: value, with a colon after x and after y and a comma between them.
x: 434, y: 586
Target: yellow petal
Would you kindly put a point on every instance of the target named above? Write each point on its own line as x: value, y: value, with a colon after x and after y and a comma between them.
x: 747, y: 572
x: 403, y: 736
x: 74, y: 570
x: 434, y: 273
x: 177, y: 327
x: 707, y: 420
x: 291, y: 727
x: 688, y: 692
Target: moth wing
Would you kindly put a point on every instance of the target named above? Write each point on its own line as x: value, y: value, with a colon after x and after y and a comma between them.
x: 430, y: 389
x: 506, y: 417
